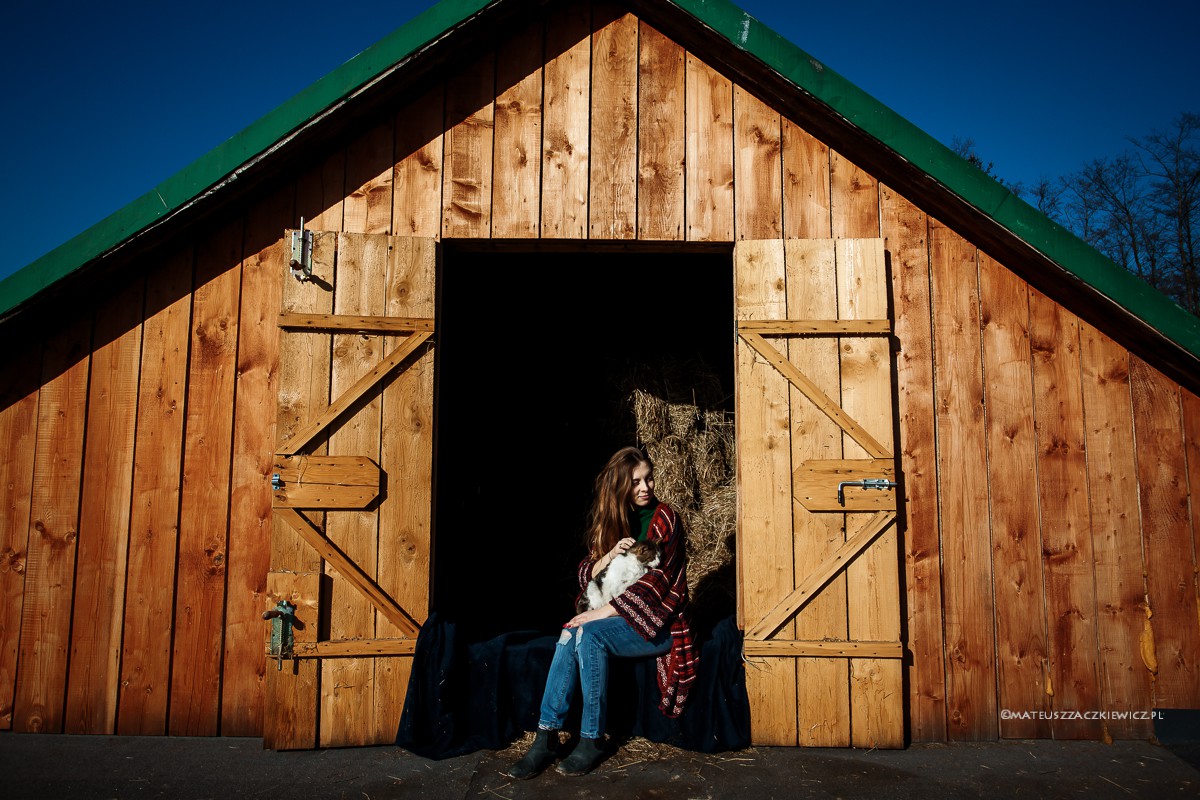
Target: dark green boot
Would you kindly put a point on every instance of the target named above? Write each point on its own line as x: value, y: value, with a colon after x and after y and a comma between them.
x: 583, y: 759
x: 540, y: 756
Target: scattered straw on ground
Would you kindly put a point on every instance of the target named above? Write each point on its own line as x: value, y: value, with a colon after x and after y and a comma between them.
x: 632, y: 751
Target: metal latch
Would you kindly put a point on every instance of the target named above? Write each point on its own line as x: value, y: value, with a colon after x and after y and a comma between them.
x: 276, y: 481
x: 866, y: 483
x: 282, y: 619
x: 301, y: 260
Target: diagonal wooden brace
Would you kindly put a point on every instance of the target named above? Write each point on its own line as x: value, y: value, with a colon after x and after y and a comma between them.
x: 813, y: 393
x: 819, y: 577
x: 351, y: 572
x: 339, y: 407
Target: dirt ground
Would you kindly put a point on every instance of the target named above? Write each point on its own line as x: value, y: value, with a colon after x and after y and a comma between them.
x: 65, y: 767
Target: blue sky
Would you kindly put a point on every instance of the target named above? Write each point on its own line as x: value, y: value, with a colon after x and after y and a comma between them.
x: 104, y: 101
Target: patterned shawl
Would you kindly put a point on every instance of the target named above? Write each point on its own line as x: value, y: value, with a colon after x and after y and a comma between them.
x: 657, y: 600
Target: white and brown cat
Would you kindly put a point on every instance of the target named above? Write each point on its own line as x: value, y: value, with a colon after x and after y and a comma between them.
x: 620, y: 573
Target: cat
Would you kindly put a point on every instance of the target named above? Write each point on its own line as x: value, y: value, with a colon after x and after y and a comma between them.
x: 621, y: 573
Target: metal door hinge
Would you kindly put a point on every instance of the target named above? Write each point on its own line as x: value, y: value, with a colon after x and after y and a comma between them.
x: 301, y: 260
x: 282, y: 618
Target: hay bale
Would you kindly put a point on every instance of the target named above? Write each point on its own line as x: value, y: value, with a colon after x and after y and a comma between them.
x: 712, y: 528
x: 709, y: 462
x: 682, y: 418
x: 651, y: 419
x: 674, y: 475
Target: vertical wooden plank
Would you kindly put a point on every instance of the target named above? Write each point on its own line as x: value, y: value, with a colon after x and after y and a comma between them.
x: 517, y: 168
x: 765, y: 548
x: 1167, y: 542
x: 467, y: 168
x: 758, y: 168
x: 97, y: 620
x: 321, y: 194
x: 1191, y: 435
x: 873, y: 580
x: 18, y: 438
x: 906, y: 229
x: 612, y: 189
x: 661, y: 136
x: 1116, y: 535
x: 963, y: 492
x: 805, y: 185
x: 369, y: 165
x: 290, y: 720
x: 567, y: 94
x: 54, y: 521
x: 204, y: 513
x: 347, y: 710
x: 291, y: 695
x: 406, y: 517
x: 1012, y: 460
x: 154, y: 516
x: 1066, y: 522
x: 854, y: 199
x: 417, y: 177
x: 253, y: 445
x: 822, y: 685
x: 709, y: 157
x: 347, y: 706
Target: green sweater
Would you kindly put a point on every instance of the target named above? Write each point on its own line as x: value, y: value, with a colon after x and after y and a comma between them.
x: 639, y: 520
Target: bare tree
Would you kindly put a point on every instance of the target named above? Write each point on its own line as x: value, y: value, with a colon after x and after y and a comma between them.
x: 1170, y: 160
x: 1141, y: 208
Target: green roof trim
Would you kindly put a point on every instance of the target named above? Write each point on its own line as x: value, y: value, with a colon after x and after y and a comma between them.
x: 731, y: 23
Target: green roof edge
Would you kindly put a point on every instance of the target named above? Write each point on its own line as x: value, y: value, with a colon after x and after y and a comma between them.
x: 742, y: 31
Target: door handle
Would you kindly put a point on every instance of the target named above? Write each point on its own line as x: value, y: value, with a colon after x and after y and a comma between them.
x: 866, y: 483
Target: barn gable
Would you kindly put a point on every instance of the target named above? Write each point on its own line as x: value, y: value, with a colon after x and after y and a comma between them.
x: 142, y: 416
x: 833, y: 108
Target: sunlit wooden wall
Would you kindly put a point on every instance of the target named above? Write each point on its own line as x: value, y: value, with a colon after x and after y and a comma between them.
x: 1048, y: 539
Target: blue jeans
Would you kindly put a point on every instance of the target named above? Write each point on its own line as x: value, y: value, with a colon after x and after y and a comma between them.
x: 583, y: 659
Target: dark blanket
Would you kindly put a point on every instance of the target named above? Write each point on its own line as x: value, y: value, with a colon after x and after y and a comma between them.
x: 466, y: 696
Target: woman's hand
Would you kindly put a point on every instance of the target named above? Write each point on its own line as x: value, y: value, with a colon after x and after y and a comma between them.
x: 606, y: 559
x: 602, y: 612
x: 620, y: 547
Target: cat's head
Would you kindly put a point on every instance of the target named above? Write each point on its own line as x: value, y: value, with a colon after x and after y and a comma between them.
x: 647, y: 552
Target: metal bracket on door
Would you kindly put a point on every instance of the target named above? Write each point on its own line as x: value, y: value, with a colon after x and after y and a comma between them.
x: 301, y: 259
x: 866, y: 483
x: 282, y: 618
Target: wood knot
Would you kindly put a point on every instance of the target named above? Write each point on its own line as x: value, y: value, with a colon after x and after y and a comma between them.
x: 1064, y: 553
x: 12, y: 561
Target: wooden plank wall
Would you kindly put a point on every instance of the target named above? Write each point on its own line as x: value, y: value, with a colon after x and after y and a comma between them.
x: 1048, y: 528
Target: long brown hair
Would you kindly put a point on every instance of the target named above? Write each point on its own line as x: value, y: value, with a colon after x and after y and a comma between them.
x: 608, y: 521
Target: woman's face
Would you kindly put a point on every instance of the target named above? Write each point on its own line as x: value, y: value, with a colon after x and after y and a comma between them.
x: 642, y: 493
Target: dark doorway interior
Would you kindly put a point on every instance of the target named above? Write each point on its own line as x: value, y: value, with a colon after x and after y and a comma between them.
x: 535, y: 351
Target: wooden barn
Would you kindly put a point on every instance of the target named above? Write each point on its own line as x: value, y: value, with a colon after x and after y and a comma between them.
x: 967, y: 445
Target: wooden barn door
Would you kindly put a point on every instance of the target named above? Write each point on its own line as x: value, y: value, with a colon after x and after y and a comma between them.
x: 353, y: 487
x: 819, y: 569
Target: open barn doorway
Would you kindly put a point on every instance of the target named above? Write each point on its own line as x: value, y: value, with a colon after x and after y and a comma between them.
x: 542, y: 358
